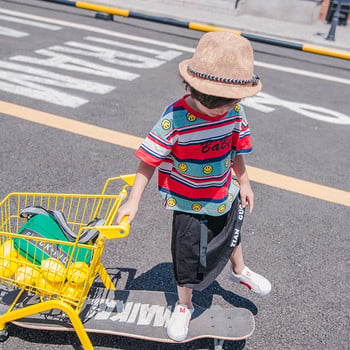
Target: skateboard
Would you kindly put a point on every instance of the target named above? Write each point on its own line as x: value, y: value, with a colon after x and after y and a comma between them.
x: 137, y: 314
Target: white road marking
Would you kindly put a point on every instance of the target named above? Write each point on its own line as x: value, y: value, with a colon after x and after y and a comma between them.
x: 21, y: 84
x: 170, y: 45
x: 61, y: 61
x: 108, y: 55
x: 305, y: 73
x: 12, y: 33
x: 29, y: 22
x: 262, y: 99
x: 162, y: 55
x: 30, y: 82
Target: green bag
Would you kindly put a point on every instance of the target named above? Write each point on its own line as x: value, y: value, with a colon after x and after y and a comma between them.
x: 46, y: 226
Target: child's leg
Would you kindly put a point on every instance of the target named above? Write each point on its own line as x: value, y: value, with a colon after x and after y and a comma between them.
x: 177, y: 327
x: 185, y: 296
x: 242, y: 274
x: 237, y: 259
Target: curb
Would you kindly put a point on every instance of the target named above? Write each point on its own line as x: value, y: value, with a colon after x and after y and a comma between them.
x: 205, y: 28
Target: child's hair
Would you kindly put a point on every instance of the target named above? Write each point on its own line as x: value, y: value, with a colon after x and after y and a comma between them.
x: 208, y: 101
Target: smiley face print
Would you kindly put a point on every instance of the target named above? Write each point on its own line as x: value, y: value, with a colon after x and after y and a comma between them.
x: 182, y: 167
x: 207, y: 169
x: 166, y: 124
x: 196, y: 207
x: 190, y: 117
x: 171, y: 202
x: 222, y: 208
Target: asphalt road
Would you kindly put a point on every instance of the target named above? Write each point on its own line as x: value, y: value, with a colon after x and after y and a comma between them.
x: 300, y: 128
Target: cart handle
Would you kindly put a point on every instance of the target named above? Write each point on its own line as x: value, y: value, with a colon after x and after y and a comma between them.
x: 115, y: 231
x: 129, y: 179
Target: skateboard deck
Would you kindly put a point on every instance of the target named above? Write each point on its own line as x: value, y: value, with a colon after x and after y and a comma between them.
x: 136, y: 314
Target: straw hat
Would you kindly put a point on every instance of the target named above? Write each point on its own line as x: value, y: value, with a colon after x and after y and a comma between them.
x: 223, y: 66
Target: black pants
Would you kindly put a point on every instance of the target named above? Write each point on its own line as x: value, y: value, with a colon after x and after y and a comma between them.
x: 202, y: 245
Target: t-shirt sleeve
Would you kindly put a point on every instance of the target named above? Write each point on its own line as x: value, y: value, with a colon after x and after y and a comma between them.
x: 159, y: 142
x: 244, y: 144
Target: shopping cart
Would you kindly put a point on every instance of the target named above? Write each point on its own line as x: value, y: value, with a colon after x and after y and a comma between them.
x: 62, y: 280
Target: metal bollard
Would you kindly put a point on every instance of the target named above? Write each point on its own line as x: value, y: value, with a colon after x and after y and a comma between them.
x: 335, y: 20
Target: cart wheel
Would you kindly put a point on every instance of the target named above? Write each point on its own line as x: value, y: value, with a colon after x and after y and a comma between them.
x: 218, y: 344
x: 4, y: 334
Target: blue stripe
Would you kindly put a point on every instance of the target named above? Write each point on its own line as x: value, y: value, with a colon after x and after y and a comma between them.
x: 158, y: 139
x: 171, y: 109
x: 244, y: 151
x: 152, y: 153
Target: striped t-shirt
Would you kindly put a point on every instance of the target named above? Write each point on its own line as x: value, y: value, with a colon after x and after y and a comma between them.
x: 194, y: 153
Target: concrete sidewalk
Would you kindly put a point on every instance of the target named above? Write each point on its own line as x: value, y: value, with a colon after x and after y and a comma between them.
x: 224, y: 14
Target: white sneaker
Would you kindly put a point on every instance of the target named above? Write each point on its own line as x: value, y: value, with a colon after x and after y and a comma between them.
x: 255, y: 282
x: 179, y: 321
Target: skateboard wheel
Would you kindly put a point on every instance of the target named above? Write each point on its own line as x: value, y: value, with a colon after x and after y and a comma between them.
x: 218, y: 344
x: 4, y: 334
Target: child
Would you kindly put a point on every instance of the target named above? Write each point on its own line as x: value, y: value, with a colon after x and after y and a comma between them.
x: 195, y: 143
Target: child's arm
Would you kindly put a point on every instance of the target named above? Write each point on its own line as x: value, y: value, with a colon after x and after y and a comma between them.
x: 143, y: 176
x: 247, y: 195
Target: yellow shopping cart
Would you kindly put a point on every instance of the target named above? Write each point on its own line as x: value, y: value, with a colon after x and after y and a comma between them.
x: 60, y: 281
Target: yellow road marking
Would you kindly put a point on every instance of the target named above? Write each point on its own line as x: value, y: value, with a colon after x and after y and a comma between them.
x: 265, y: 177
x: 70, y: 125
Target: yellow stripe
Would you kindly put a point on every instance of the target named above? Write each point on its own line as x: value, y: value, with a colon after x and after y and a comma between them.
x: 208, y: 28
x: 100, y: 8
x: 305, y: 188
x: 327, y: 52
x: 70, y: 125
x: 265, y: 177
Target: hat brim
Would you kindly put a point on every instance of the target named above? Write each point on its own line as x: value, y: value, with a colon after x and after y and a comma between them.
x: 215, y: 88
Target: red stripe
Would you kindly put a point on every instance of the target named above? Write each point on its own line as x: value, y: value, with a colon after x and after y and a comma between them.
x: 155, y: 140
x: 246, y: 284
x: 199, y: 193
x: 147, y: 158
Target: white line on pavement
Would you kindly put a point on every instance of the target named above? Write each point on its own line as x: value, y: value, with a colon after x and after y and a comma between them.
x: 28, y: 22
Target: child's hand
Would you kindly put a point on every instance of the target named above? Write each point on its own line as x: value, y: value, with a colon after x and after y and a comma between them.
x: 128, y: 209
x: 247, y: 196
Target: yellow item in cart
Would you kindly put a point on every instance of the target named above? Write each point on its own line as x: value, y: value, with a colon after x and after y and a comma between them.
x: 53, y: 270
x: 46, y: 287
x: 7, y: 268
x: 8, y: 259
x: 72, y: 291
x: 78, y: 272
x: 26, y: 275
x: 7, y: 250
